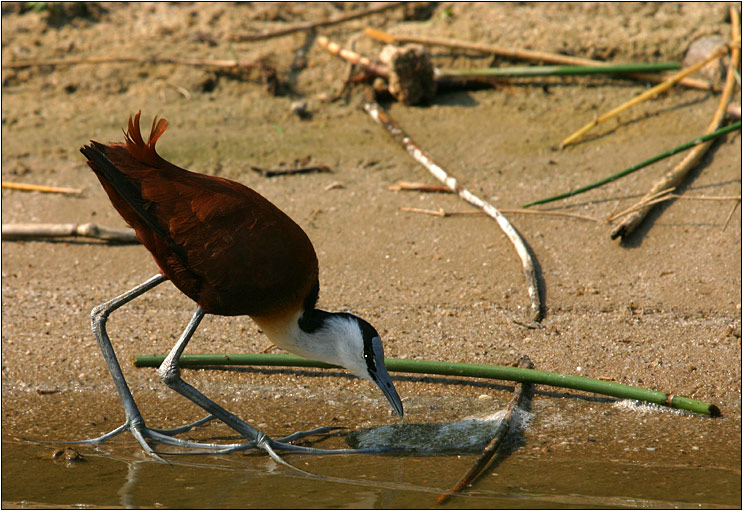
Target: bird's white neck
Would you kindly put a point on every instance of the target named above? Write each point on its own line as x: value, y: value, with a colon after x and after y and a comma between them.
x: 336, y: 338
x: 332, y: 338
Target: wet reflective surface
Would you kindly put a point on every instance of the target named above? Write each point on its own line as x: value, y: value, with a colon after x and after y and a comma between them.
x: 575, y: 451
x: 118, y: 475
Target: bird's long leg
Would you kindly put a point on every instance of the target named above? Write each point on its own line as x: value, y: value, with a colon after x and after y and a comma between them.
x: 134, y: 422
x: 170, y: 374
x: 169, y: 371
x: 98, y: 317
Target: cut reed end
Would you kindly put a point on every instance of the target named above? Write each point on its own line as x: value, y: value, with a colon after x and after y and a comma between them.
x: 379, y: 35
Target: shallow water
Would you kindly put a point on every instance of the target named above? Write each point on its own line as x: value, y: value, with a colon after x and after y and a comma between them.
x: 575, y: 451
x: 117, y: 475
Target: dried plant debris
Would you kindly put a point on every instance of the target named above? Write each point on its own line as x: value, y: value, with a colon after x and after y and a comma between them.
x: 411, y: 79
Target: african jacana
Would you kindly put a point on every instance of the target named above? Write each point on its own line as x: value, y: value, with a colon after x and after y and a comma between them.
x: 233, y: 253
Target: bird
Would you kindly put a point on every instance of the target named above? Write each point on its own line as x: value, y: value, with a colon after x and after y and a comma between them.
x: 234, y: 253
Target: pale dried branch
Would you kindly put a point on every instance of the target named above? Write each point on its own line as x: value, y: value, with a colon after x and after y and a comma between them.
x: 393, y: 129
x: 51, y: 231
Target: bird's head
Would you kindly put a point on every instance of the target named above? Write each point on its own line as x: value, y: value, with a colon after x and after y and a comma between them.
x: 349, y: 341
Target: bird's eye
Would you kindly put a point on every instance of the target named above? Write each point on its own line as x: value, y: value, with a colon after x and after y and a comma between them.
x: 371, y: 366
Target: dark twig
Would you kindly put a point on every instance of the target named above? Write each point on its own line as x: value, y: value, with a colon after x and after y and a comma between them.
x: 531, y: 71
x: 291, y: 172
x: 521, y: 393
x: 267, y: 72
x: 311, y: 25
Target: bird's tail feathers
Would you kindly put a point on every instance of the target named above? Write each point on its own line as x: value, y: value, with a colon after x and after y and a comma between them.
x: 107, y: 171
x: 135, y: 144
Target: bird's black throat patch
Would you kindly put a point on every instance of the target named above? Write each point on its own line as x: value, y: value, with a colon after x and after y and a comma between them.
x: 313, y: 319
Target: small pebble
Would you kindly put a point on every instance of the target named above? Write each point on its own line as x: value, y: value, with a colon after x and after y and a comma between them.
x: 699, y: 50
x: 299, y: 108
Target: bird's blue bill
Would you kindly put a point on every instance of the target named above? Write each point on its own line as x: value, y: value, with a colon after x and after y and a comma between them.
x: 382, y: 378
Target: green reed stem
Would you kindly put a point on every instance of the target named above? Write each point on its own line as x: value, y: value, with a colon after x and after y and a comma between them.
x: 452, y: 369
x: 634, y: 168
x: 515, y: 71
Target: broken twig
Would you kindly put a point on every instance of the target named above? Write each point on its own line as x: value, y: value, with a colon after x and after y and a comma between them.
x: 27, y: 187
x: 665, y: 195
x: 521, y: 394
x: 418, y: 187
x: 395, y: 131
x: 335, y: 185
x: 652, y: 199
x: 440, y: 212
x: 674, y: 177
x: 48, y: 231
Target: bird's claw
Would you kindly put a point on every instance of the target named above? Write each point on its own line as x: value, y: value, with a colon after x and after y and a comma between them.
x: 141, y: 433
